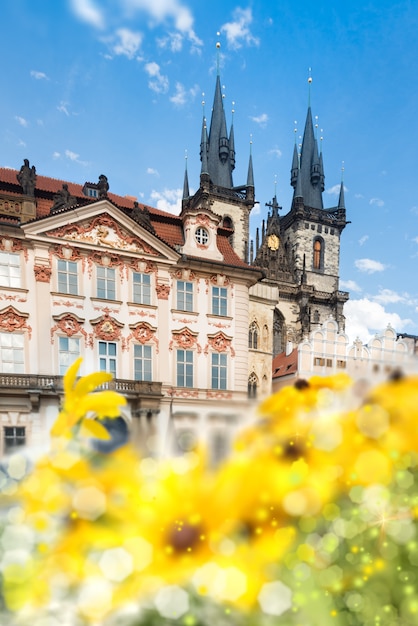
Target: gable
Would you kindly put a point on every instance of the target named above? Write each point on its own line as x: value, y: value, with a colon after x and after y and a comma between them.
x: 100, y: 225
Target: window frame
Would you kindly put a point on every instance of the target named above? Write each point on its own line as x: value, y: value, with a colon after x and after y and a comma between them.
x: 318, y: 251
x: 62, y: 367
x: 17, y: 367
x: 6, y: 278
x: 108, y: 281
x: 201, y: 236
x: 219, y: 371
x: 184, y: 368
x: 66, y: 286
x: 110, y: 361
x: 220, y: 301
x: 145, y: 362
x: 185, y: 295
x: 253, y: 334
x: 141, y: 295
x: 18, y: 438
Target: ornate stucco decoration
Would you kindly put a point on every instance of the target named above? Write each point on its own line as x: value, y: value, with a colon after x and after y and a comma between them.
x: 220, y: 343
x: 42, y: 273
x: 185, y: 339
x: 12, y: 320
x: 10, y: 244
x: 163, y: 291
x: 142, y: 332
x: 106, y: 328
x: 68, y: 324
x: 104, y: 231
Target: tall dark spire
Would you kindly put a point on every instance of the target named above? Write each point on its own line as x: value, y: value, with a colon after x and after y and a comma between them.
x: 341, y: 199
x: 186, y: 191
x: 204, y: 148
x: 309, y: 175
x: 250, y: 175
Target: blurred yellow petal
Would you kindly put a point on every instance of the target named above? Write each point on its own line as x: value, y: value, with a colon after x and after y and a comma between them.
x: 88, y: 383
x: 71, y: 376
x: 93, y: 428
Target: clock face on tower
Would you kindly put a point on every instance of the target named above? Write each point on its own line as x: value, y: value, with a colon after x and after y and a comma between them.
x: 273, y: 242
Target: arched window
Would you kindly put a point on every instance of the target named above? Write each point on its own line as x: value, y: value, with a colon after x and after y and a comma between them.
x: 253, y: 336
x: 318, y: 254
x: 252, y: 386
x: 279, y: 333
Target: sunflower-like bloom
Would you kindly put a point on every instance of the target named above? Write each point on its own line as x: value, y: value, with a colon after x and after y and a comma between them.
x: 81, y: 405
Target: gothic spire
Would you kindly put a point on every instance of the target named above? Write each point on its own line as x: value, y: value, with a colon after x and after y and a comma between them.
x: 186, y: 191
x: 250, y: 175
x: 310, y: 167
x: 204, y: 148
x: 341, y: 199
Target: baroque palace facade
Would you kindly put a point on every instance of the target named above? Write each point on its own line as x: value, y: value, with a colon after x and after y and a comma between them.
x: 170, y: 305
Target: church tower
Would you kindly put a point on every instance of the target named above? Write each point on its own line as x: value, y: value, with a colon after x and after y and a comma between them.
x: 300, y: 251
x: 217, y: 191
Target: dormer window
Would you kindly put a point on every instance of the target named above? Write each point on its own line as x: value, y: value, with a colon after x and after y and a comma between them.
x: 202, y: 236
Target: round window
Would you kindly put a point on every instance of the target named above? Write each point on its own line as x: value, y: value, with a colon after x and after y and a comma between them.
x: 202, y: 236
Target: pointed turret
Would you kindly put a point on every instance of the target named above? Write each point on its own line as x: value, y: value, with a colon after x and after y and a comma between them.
x: 295, y: 167
x: 186, y: 191
x: 250, y: 175
x: 341, y: 199
x: 204, y: 148
x: 232, y: 146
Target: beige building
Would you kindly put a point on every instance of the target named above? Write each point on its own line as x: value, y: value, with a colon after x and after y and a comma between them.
x: 328, y: 351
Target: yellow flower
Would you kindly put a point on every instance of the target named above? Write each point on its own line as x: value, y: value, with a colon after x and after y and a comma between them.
x: 81, y: 405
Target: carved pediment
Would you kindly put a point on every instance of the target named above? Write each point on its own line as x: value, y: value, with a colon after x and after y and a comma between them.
x: 102, y: 231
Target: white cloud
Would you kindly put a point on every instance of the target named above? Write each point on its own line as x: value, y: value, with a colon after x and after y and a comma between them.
x: 364, y: 318
x: 363, y: 239
x: 73, y: 156
x: 152, y: 171
x: 388, y: 296
x: 260, y: 119
x: 351, y: 285
x: 377, y: 202
x: 415, y: 239
x: 173, y: 41
x: 369, y: 266
x: 182, y: 95
x: 168, y: 200
x: 56, y: 155
x: 160, y: 10
x: 276, y: 152
x: 63, y: 108
x: 238, y: 32
x: 358, y: 195
x: 159, y: 82
x: 38, y: 75
x: 87, y: 11
x: 335, y: 189
x: 129, y: 42
x: 21, y: 121
x: 256, y: 209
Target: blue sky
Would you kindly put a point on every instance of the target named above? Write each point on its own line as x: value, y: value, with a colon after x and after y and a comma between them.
x: 115, y: 87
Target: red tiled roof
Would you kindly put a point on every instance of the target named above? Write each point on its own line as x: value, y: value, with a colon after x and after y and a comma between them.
x: 285, y: 364
x: 168, y: 227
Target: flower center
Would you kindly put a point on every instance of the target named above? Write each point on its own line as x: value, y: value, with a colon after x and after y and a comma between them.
x: 183, y: 537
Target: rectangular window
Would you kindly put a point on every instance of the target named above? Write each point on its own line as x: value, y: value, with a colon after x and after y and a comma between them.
x: 106, y: 283
x: 68, y: 352
x: 14, y: 436
x: 184, y: 295
x: 10, y: 275
x: 341, y: 364
x: 184, y: 368
x: 142, y: 288
x: 219, y: 371
x: 142, y: 362
x: 67, y: 277
x: 219, y: 301
x: 12, y: 353
x: 319, y: 361
x: 107, y: 357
